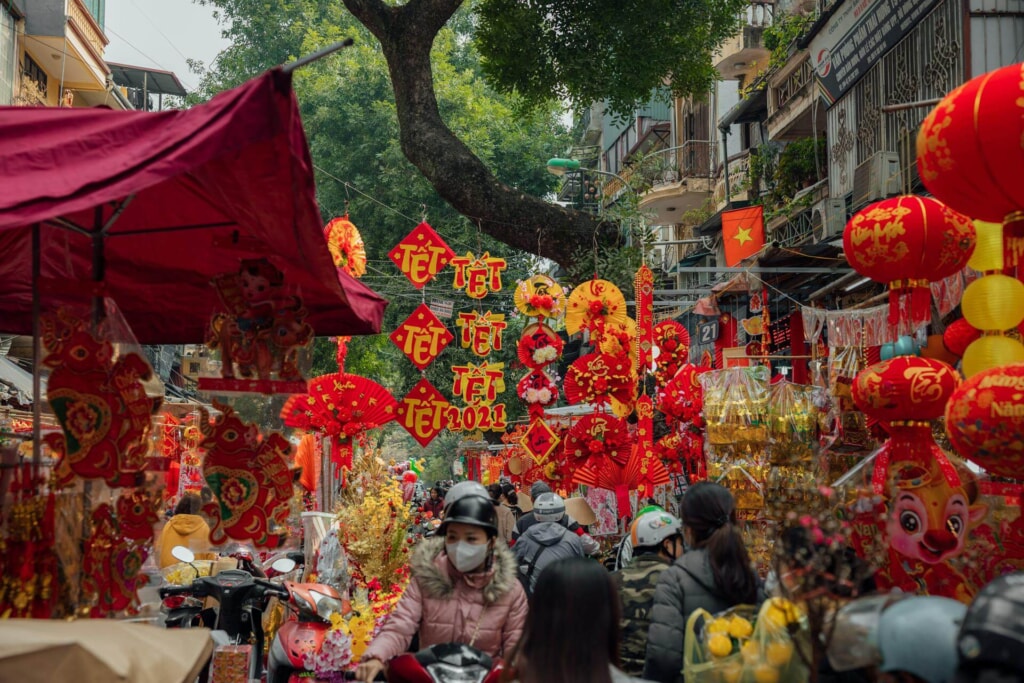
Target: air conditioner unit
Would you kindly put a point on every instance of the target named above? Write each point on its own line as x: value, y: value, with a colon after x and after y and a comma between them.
x: 658, y: 258
x: 704, y: 278
x: 877, y: 178
x: 828, y: 219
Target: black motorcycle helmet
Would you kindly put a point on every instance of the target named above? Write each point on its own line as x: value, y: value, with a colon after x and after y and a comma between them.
x: 992, y: 633
x: 473, y: 510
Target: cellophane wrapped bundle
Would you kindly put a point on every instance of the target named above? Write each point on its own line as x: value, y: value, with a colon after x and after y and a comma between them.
x: 744, y: 646
x: 849, y: 429
x: 230, y: 664
x: 797, y: 465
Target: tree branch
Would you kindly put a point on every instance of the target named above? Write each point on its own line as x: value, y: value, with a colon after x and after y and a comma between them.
x: 520, y: 220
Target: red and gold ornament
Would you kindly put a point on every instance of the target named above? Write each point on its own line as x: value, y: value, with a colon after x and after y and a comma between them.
x: 985, y: 420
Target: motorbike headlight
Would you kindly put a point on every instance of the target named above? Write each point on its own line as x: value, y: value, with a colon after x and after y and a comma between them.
x: 326, y: 606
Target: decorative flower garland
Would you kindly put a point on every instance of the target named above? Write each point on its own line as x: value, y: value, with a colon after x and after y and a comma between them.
x: 538, y: 391
x: 673, y: 344
x: 539, y: 297
x: 539, y: 346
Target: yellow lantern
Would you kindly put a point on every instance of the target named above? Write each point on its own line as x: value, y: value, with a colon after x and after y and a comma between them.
x: 994, y: 302
x: 991, y: 351
x: 988, y: 251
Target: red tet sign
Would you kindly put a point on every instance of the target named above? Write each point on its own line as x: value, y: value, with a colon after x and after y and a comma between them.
x: 540, y: 441
x: 478, y: 386
x: 481, y: 332
x: 422, y: 337
x: 421, y: 255
x: 478, y: 276
x: 423, y: 412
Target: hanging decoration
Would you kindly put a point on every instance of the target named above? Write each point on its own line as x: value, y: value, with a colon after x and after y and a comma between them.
x: 992, y: 304
x: 346, y: 246
x: 341, y: 406
x: 478, y: 276
x: 111, y: 566
x: 421, y: 255
x: 672, y: 341
x: 620, y: 341
x: 904, y: 394
x: 422, y: 337
x: 539, y: 296
x: 593, y: 305
x: 539, y: 346
x: 100, y: 403
x: 540, y: 441
x: 478, y: 385
x: 969, y: 154
x: 985, y: 420
x: 260, y: 335
x: 600, y: 379
x: 650, y: 471
x: 30, y: 584
x: 423, y: 412
x: 597, y: 436
x: 481, y: 332
x: 538, y: 391
x: 249, y: 477
x: 137, y: 514
x: 643, y: 284
x: 907, y: 242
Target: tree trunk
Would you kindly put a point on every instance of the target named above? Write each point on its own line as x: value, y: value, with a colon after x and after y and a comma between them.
x: 406, y: 34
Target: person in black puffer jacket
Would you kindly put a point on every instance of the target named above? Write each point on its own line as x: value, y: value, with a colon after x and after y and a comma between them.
x: 715, y: 574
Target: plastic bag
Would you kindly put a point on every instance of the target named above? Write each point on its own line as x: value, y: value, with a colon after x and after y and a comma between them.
x: 739, y: 646
x: 735, y: 405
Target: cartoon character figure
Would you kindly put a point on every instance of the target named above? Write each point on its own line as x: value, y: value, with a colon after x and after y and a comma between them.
x: 137, y: 513
x: 111, y: 566
x: 929, y: 518
x: 263, y: 329
x: 250, y: 478
x: 101, y: 405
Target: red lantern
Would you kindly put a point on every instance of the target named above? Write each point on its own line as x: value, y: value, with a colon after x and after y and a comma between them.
x: 959, y: 335
x: 908, y: 242
x: 905, y: 389
x: 985, y: 420
x: 969, y: 153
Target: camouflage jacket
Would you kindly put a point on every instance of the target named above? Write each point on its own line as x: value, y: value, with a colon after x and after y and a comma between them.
x: 636, y: 583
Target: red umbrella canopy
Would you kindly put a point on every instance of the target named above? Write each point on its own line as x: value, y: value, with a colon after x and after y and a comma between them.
x: 169, y: 200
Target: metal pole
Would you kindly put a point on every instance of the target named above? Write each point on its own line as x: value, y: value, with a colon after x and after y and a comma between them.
x: 37, y: 353
x: 920, y: 104
x: 319, y: 54
x: 725, y: 166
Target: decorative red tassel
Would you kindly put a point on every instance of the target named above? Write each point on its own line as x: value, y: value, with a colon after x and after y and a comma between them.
x: 921, y: 303
x: 894, y: 303
x: 622, y: 500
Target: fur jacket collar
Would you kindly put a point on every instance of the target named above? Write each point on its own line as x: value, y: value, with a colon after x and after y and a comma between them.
x: 437, y: 577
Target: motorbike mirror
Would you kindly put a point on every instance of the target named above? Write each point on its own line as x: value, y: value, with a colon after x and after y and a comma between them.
x: 283, y: 565
x: 183, y: 554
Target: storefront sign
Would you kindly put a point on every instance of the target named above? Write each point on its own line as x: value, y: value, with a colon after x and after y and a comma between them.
x: 856, y: 37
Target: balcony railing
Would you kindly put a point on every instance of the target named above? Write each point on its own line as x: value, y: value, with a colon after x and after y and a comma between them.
x: 87, y: 26
x: 793, y: 85
x: 758, y: 14
x: 692, y: 159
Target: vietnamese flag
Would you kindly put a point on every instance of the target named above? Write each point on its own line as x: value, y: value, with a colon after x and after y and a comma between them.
x: 742, y: 233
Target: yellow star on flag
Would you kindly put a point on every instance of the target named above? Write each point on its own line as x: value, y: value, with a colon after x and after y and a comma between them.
x: 743, y: 235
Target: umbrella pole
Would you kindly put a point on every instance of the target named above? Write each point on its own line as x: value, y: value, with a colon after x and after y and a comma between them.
x: 319, y: 54
x: 37, y: 399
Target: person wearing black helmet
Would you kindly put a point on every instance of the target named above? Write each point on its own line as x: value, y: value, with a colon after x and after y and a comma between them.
x: 464, y: 589
x: 991, y: 638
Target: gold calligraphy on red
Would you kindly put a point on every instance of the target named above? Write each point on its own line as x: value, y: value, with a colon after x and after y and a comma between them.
x: 478, y: 276
x: 421, y: 255
x: 423, y: 412
x: 422, y: 337
x: 481, y: 332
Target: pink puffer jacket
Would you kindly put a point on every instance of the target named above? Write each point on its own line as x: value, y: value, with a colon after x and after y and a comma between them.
x: 446, y: 606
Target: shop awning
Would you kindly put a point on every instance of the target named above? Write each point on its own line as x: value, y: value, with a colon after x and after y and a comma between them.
x: 161, y: 202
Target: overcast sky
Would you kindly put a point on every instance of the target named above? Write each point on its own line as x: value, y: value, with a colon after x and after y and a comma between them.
x: 161, y: 34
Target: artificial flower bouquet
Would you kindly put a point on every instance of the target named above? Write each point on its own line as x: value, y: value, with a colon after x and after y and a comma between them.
x: 742, y: 645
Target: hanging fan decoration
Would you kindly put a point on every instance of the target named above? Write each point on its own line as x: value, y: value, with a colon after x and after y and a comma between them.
x: 538, y: 391
x: 620, y: 341
x: 673, y: 343
x: 682, y: 399
x: 343, y: 406
x: 539, y: 346
x: 111, y: 566
x: 599, y: 379
x: 650, y: 471
x: 598, y: 436
x: 682, y: 452
x: 346, y: 246
x: 539, y: 296
x: 250, y: 478
x: 594, y: 305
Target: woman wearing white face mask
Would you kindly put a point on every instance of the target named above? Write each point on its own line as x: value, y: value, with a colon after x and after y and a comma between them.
x: 464, y: 589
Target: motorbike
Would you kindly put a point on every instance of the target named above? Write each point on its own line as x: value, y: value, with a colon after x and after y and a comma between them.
x: 312, y: 605
x: 238, y: 619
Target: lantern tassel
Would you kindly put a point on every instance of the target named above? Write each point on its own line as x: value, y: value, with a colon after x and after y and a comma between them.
x: 921, y: 304
x: 894, y: 304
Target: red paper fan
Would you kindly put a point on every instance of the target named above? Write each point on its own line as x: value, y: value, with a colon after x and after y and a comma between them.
x: 646, y: 470
x: 682, y: 398
x: 597, y: 378
x: 295, y: 412
x: 539, y: 346
x: 596, y: 437
x: 673, y: 343
x: 343, y: 404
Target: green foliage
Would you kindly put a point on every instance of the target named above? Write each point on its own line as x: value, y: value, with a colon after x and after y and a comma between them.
x: 590, y: 50
x: 781, y: 34
x: 781, y: 172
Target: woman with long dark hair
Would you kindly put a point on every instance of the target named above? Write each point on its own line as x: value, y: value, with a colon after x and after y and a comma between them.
x: 572, y: 630
x: 714, y: 574
x: 506, y: 519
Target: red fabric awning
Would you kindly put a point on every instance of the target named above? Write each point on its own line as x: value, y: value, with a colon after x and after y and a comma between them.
x: 205, y: 188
